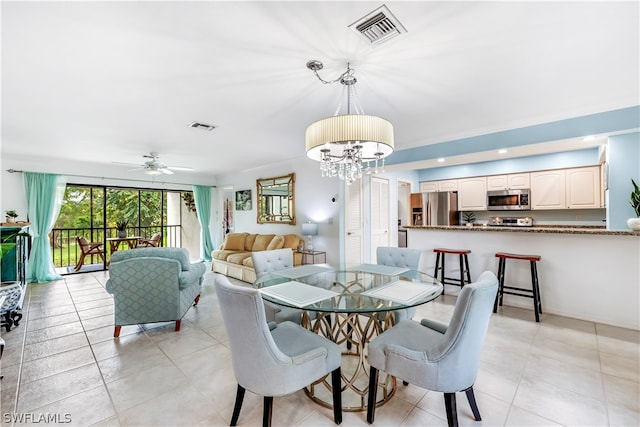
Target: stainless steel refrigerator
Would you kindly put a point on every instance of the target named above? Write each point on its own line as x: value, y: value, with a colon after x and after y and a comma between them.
x: 437, y: 209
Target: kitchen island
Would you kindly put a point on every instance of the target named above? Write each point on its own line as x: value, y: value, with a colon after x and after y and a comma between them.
x: 587, y: 273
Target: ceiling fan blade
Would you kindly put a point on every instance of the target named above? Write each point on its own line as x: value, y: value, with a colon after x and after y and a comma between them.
x: 126, y: 164
x: 166, y: 170
x: 179, y: 168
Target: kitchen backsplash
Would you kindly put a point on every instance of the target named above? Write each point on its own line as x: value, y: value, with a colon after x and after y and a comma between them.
x: 590, y: 217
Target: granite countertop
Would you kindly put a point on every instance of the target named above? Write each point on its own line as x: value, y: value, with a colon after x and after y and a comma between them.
x: 551, y: 229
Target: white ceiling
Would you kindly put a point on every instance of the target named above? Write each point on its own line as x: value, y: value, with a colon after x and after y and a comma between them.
x: 104, y: 82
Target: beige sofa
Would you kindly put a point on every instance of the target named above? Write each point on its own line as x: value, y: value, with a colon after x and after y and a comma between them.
x: 233, y: 259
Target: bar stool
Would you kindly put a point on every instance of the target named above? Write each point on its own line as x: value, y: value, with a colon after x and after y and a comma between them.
x: 534, y: 292
x: 465, y: 274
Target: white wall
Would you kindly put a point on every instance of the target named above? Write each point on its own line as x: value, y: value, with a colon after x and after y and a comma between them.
x: 313, y: 202
x: 589, y: 277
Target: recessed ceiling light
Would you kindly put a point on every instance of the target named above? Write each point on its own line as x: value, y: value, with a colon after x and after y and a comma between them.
x: 502, y: 151
x: 440, y: 160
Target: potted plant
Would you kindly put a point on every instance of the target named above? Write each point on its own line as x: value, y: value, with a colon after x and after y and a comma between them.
x: 469, y: 218
x: 11, y: 216
x: 634, y: 200
x: 121, y: 226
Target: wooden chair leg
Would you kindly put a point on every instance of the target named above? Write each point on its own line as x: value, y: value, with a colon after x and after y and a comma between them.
x: 452, y: 411
x: 373, y: 390
x: 178, y: 322
x: 472, y: 402
x: 268, y: 410
x: 336, y: 386
x: 79, y: 263
x: 197, y: 300
x: 116, y: 331
x: 238, y: 405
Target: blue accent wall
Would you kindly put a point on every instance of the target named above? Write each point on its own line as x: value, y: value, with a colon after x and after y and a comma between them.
x: 624, y: 164
x: 593, y: 124
x: 568, y: 159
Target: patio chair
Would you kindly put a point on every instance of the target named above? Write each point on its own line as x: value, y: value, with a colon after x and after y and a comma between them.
x: 88, y: 248
x: 154, y: 241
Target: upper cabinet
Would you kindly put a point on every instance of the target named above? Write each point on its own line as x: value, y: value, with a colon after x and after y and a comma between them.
x: 583, y: 188
x: 548, y: 190
x: 435, y: 186
x: 472, y: 194
x: 576, y: 188
x: 508, y: 182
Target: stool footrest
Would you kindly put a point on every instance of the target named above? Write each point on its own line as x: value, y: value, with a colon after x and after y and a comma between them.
x: 528, y: 293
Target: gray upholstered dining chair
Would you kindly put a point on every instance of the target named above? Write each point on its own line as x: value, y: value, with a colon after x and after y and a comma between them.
x: 435, y: 356
x: 265, y: 262
x: 272, y: 359
x: 399, y: 257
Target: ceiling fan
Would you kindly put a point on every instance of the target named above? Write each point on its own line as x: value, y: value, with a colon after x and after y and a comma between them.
x: 154, y: 166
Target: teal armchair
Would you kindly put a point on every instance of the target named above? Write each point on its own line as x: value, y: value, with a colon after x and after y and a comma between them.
x: 153, y: 285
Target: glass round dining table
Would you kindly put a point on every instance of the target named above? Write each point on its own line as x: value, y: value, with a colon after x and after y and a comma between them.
x: 350, y: 305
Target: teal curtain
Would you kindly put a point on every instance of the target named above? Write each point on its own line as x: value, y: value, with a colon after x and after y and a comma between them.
x: 202, y: 198
x: 44, y: 196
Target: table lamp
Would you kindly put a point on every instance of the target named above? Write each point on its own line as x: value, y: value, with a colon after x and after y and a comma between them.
x: 310, y: 229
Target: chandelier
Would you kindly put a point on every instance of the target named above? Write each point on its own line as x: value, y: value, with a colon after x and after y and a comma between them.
x: 347, y: 144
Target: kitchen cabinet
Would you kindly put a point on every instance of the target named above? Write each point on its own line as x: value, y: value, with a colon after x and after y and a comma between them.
x: 582, y: 187
x: 548, y: 190
x: 435, y: 186
x: 508, y: 182
x: 472, y: 194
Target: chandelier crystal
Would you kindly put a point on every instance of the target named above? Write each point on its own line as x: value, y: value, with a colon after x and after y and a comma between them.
x: 348, y: 144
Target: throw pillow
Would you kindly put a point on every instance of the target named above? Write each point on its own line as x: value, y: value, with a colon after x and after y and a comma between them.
x: 249, y: 241
x: 276, y: 243
x: 291, y: 241
x: 262, y: 241
x: 234, y: 241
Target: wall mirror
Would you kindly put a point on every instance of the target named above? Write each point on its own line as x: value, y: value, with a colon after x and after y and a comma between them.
x: 276, y: 201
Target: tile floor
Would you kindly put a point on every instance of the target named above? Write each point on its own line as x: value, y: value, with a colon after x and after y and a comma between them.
x: 62, y: 364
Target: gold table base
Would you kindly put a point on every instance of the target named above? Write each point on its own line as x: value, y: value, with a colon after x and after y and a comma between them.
x: 352, y: 331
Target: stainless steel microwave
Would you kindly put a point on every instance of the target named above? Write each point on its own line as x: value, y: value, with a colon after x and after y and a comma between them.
x: 508, y: 200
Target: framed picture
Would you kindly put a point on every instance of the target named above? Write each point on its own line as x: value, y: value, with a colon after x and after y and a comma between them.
x: 243, y: 200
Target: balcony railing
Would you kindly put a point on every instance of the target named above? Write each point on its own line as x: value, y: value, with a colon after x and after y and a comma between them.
x: 66, y: 252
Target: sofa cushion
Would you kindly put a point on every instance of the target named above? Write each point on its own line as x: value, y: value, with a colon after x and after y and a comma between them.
x: 238, y: 257
x: 234, y: 241
x: 262, y: 241
x: 291, y: 241
x: 276, y: 243
x: 222, y: 255
x: 249, y: 241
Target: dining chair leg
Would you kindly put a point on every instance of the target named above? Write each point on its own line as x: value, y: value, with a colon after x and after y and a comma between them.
x: 238, y: 405
x: 268, y: 410
x: 116, y: 331
x: 178, y: 323
x: 197, y: 300
x: 336, y: 386
x: 373, y: 389
x: 452, y: 411
x: 472, y: 402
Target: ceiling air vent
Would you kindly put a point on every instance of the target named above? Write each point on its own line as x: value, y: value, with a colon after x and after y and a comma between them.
x: 201, y: 126
x: 379, y: 26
